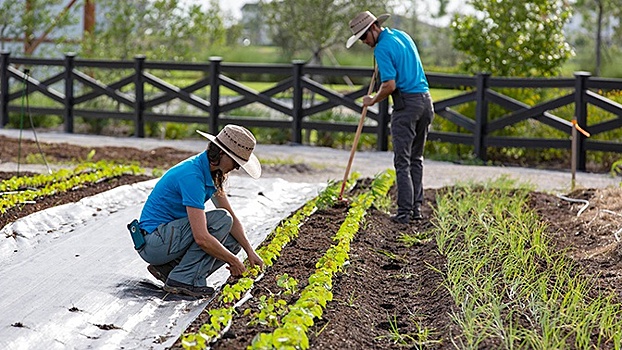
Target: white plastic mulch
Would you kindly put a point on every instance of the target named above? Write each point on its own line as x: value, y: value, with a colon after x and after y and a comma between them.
x: 70, y: 278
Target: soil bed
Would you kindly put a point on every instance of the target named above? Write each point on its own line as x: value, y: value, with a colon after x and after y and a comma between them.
x: 386, y: 284
x: 15, y: 213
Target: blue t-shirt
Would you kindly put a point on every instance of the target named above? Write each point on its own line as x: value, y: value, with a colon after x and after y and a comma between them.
x: 188, y: 183
x: 398, y: 59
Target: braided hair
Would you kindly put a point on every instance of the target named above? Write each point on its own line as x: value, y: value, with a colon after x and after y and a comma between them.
x: 214, y: 155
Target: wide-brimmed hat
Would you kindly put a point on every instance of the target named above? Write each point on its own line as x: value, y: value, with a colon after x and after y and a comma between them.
x: 239, y: 144
x: 361, y: 23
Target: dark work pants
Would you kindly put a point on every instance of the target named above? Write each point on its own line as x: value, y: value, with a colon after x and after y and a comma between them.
x: 409, y: 130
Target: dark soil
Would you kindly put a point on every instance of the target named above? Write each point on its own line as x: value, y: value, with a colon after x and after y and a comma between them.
x: 386, y: 283
x: 162, y: 158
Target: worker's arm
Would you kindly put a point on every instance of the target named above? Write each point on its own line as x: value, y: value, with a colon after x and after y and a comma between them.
x: 209, y: 244
x: 385, y: 90
x: 237, y: 230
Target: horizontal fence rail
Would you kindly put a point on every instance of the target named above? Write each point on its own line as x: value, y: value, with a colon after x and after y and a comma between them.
x: 141, y: 96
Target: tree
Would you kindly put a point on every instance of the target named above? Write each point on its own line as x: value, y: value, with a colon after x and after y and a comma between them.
x: 513, y: 37
x: 8, y: 20
x: 159, y: 29
x: 599, y: 14
x: 313, y: 25
x: 30, y: 21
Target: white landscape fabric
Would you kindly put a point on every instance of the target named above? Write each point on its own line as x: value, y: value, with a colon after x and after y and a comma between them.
x: 70, y: 278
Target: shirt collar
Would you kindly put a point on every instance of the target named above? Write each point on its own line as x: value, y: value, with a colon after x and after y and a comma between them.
x: 205, y: 168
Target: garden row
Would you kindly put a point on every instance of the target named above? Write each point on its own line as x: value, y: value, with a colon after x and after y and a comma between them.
x: 20, y: 190
x: 511, y: 287
x: 286, y: 322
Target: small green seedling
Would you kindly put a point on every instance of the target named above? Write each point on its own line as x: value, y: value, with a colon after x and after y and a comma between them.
x: 289, y: 284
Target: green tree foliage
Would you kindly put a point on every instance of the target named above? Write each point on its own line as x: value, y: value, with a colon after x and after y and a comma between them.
x: 159, y: 29
x: 312, y: 26
x: 513, y: 37
x: 29, y: 20
x: 9, y: 27
x: 601, y: 19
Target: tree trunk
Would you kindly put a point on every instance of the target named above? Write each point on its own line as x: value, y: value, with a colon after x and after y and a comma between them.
x: 89, y: 16
x: 599, y: 39
x: 28, y: 31
x: 89, y: 24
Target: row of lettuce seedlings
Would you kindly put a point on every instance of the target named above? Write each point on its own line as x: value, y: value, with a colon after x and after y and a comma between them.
x: 292, y: 334
x: 20, y: 190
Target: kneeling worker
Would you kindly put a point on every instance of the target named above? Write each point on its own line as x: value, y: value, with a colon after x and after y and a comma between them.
x: 184, y: 244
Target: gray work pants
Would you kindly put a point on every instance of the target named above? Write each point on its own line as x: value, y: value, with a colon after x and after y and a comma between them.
x: 409, y: 130
x: 174, y: 242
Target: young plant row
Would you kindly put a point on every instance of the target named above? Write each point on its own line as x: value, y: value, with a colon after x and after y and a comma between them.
x: 221, y: 315
x: 292, y: 332
x: 25, y: 189
x: 512, y: 288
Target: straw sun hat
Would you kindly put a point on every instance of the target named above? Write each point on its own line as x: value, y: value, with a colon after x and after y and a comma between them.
x: 238, y: 143
x: 361, y: 23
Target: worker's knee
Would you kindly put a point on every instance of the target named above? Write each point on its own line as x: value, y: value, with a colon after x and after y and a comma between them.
x: 219, y: 223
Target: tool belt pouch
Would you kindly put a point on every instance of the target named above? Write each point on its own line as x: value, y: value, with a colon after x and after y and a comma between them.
x: 137, y: 234
x: 398, y: 100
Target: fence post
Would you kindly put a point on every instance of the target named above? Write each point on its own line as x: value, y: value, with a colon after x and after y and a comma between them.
x: 4, y: 88
x: 297, y: 102
x: 214, y: 107
x: 382, y: 143
x: 68, y: 113
x: 481, y: 116
x: 580, y: 107
x: 139, y: 100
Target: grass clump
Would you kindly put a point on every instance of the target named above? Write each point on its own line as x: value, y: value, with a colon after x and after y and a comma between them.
x: 512, y: 289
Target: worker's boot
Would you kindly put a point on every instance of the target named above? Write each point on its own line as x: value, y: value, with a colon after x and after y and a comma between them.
x: 161, y: 272
x: 416, y: 213
x: 401, y: 218
x: 176, y: 287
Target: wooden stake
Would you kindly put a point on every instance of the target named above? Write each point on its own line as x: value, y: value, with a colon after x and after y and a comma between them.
x: 576, y: 129
x: 573, y: 157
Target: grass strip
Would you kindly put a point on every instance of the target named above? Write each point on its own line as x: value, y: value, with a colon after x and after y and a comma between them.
x: 512, y: 288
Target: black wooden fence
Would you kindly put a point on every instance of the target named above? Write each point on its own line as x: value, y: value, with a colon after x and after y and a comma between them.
x: 216, y: 111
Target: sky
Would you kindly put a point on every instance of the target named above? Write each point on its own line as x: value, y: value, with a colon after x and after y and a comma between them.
x: 234, y: 7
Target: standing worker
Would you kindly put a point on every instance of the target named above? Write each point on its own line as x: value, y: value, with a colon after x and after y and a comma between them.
x: 183, y: 243
x: 403, y: 78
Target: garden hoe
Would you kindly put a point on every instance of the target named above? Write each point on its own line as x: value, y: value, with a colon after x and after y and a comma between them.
x: 355, y: 143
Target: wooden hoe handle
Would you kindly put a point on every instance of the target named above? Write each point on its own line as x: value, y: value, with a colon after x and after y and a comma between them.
x: 355, y: 143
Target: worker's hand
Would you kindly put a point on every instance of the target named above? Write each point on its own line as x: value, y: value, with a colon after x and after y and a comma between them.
x: 236, y: 267
x: 255, y: 260
x: 368, y: 100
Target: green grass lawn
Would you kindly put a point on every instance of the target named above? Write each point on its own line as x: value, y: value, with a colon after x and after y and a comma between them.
x: 437, y: 94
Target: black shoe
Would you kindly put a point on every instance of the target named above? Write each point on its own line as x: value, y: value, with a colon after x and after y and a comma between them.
x: 416, y: 214
x: 160, y: 272
x: 400, y: 218
x: 182, y: 288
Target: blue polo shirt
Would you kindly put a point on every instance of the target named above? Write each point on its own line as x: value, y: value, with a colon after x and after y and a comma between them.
x: 398, y: 59
x: 188, y: 183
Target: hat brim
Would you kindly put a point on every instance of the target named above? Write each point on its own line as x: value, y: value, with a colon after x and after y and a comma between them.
x: 251, y: 166
x: 353, y: 39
